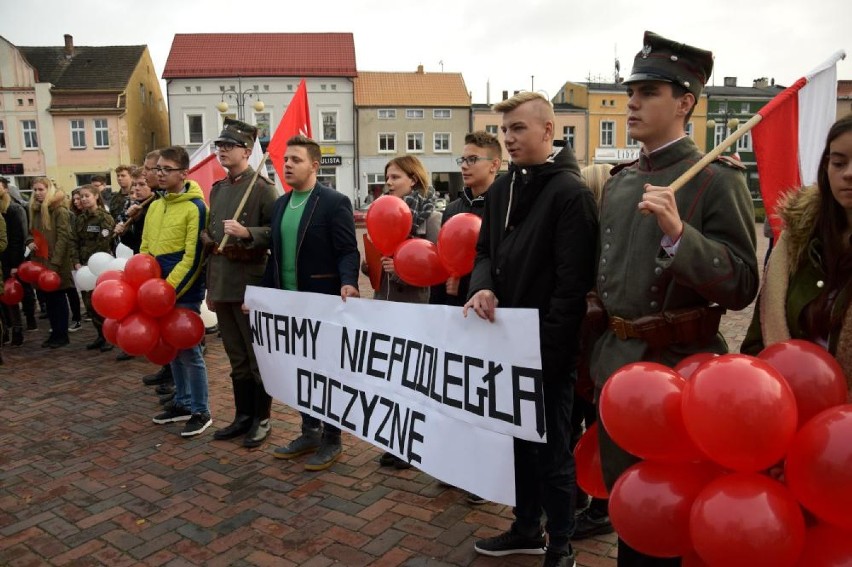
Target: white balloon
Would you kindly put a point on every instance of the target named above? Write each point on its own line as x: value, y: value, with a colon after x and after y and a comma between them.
x: 209, y: 317
x: 85, y: 279
x: 99, y: 262
x: 117, y: 264
x: 123, y: 251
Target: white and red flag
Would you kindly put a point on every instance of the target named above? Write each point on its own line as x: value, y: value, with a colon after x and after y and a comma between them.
x: 205, y: 169
x: 790, y: 138
x: 296, y: 120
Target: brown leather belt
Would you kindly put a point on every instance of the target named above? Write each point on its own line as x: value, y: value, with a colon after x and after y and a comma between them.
x: 240, y: 254
x: 679, y: 326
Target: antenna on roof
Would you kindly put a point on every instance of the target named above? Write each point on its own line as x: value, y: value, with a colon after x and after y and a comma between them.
x: 441, y: 63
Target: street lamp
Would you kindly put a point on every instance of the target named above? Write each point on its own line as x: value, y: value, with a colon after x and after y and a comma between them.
x: 238, y: 95
x: 727, y: 118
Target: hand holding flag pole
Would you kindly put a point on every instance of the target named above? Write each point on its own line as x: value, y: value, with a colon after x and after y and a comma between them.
x: 242, y: 204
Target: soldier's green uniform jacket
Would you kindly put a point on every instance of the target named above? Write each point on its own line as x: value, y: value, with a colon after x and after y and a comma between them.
x: 92, y: 233
x: 228, y: 276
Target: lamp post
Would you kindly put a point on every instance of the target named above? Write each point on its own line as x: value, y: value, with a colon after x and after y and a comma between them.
x: 238, y: 95
x: 727, y: 118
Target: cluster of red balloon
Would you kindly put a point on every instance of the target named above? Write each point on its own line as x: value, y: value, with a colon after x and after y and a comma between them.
x: 140, y: 313
x: 418, y: 261
x: 713, y: 432
x: 36, y: 274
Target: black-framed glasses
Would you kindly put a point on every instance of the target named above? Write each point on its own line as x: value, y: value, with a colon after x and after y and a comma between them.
x: 166, y: 170
x: 226, y: 146
x: 471, y: 160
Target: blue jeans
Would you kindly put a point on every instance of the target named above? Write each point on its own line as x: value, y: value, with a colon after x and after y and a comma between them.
x: 190, y: 374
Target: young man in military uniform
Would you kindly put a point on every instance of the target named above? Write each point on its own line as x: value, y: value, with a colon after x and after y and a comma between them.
x: 240, y: 263
x: 669, y: 263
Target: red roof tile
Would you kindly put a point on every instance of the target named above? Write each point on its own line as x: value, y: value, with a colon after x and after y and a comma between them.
x: 205, y: 55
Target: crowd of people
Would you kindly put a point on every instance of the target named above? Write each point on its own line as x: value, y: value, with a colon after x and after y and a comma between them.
x: 658, y: 268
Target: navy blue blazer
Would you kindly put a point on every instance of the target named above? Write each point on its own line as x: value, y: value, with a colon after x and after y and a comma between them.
x: 327, y: 255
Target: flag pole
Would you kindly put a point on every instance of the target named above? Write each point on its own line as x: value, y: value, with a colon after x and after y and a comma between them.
x: 242, y: 204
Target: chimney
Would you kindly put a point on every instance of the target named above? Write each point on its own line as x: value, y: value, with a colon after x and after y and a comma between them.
x: 69, y: 46
x: 761, y: 83
x: 730, y: 81
x: 420, y: 69
x: 505, y: 95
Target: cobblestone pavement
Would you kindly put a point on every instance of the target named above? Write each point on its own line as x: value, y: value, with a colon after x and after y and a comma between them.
x: 87, y: 479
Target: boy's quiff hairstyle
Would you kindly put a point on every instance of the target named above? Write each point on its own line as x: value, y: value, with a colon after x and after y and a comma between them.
x: 486, y: 141
x: 176, y: 154
x: 124, y: 167
x: 517, y: 100
x: 310, y: 145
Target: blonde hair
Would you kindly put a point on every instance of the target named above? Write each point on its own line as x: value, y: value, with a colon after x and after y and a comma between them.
x: 523, y: 97
x: 44, y: 207
x: 596, y: 176
x: 5, y: 200
x: 413, y: 168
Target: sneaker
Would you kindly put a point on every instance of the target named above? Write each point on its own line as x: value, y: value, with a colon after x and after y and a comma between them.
x: 96, y: 344
x: 474, y: 499
x: 390, y: 460
x: 324, y: 457
x: 106, y: 347
x: 559, y: 558
x: 591, y: 524
x: 162, y: 376
x: 74, y: 326
x: 163, y: 389
x: 17, y: 337
x: 196, y: 424
x: 509, y: 543
x: 173, y: 415
x: 121, y: 356
x: 307, y: 442
x: 59, y: 342
x: 165, y: 398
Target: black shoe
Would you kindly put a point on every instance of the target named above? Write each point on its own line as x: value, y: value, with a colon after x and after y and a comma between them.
x: 162, y: 376
x: 173, y: 415
x: 591, y: 524
x: 32, y: 324
x: 240, y: 426
x: 74, y: 326
x: 59, y: 342
x: 163, y: 389
x: 328, y: 452
x: 390, y: 460
x: 307, y: 442
x: 474, y: 499
x: 47, y: 342
x: 509, y: 543
x: 211, y: 330
x: 259, y: 432
x: 106, y: 347
x: 124, y: 356
x: 559, y: 558
x: 196, y: 425
x: 17, y: 337
x: 96, y: 344
x: 166, y: 398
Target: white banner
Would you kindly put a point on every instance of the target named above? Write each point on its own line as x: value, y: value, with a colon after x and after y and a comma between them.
x: 443, y: 392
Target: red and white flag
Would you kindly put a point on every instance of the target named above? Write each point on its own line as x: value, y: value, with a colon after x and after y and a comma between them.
x: 790, y: 138
x: 207, y: 172
x: 296, y: 120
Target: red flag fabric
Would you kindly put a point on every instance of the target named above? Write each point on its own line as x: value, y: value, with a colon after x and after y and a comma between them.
x: 207, y: 172
x: 789, y: 139
x: 41, y: 248
x: 296, y: 120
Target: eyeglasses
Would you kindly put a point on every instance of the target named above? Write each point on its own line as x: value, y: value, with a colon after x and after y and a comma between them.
x: 226, y: 146
x: 166, y: 170
x: 471, y: 160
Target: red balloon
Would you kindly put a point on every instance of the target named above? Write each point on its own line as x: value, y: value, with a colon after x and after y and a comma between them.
x: 114, y: 299
x: 587, y: 455
x: 814, y: 375
x: 747, y: 520
x: 388, y: 223
x: 640, y: 408
x: 691, y: 559
x: 416, y: 262
x: 690, y: 364
x: 819, y: 466
x: 182, y: 328
x: 29, y: 271
x: 13, y: 291
x: 110, y: 275
x: 110, y: 330
x: 137, y: 334
x: 827, y: 546
x: 162, y: 353
x: 457, y: 243
x: 48, y: 280
x: 156, y: 297
x: 740, y: 412
x: 650, y: 504
x: 141, y: 268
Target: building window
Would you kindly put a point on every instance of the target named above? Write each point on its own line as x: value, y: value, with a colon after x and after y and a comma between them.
x: 387, y: 113
x: 375, y: 179
x: 414, y: 113
x: 30, y: 102
x: 607, y: 133
x: 631, y: 143
x: 568, y: 136
x: 101, y: 133
x: 327, y: 176
x: 28, y: 127
x: 442, y: 114
x: 142, y: 93
x: 2, y: 135
x: 328, y: 119
x: 723, y: 107
x: 263, y: 121
x: 744, y: 143
x: 414, y: 142
x: 690, y: 130
x: 719, y: 134
x: 78, y: 134
x: 194, y: 129
x: 441, y: 142
x: 387, y: 143
x: 491, y: 129
x: 745, y: 108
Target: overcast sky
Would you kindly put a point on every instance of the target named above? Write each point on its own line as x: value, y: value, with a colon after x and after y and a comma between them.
x: 519, y: 44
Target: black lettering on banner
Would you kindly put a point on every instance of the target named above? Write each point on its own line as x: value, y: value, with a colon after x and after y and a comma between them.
x: 414, y: 436
x: 536, y: 395
x: 353, y: 353
x: 313, y: 329
x: 376, y: 354
x: 353, y: 397
x: 282, y: 331
x: 494, y: 369
x: 410, y: 383
x: 420, y: 377
x: 399, y: 428
x: 451, y: 380
x: 320, y: 379
x: 267, y: 317
x: 397, y: 354
x: 303, y: 387
x: 479, y: 408
x: 433, y: 376
x: 256, y: 334
x: 332, y: 386
x: 378, y: 435
x: 367, y: 409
